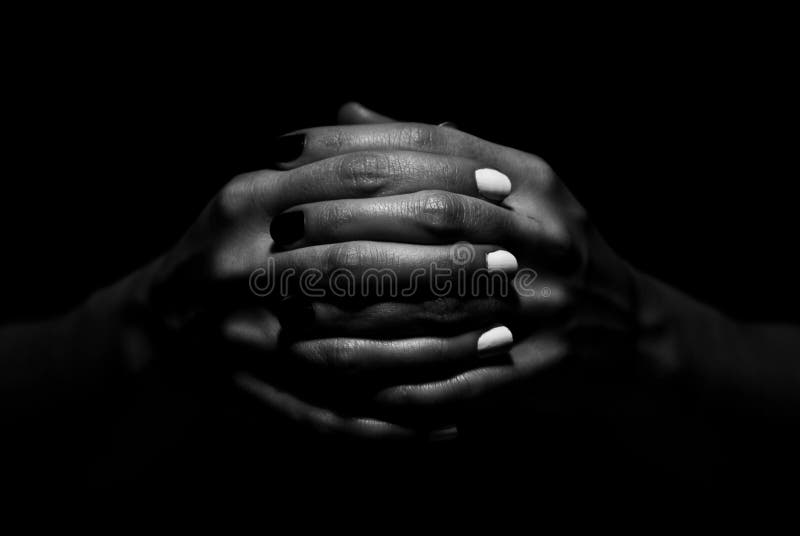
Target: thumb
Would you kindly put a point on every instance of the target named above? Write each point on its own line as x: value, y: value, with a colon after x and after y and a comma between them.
x: 354, y: 113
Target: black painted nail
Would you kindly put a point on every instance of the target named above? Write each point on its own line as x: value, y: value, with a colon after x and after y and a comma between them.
x: 288, y: 148
x: 288, y: 227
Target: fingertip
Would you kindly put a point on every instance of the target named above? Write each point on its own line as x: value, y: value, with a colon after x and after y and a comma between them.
x: 355, y: 113
x: 349, y: 112
x: 492, y: 184
x: 494, y: 340
x: 501, y: 260
x: 287, y: 148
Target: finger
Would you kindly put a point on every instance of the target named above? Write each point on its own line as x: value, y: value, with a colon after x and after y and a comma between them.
x: 324, y: 421
x: 300, y: 148
x: 447, y: 393
x: 403, y: 357
x: 355, y: 113
x: 352, y: 269
x: 425, y: 217
x: 359, y: 365
x: 391, y: 312
x: 469, y: 305
x: 532, y: 180
x: 302, y: 319
x: 526, y: 359
x: 375, y: 174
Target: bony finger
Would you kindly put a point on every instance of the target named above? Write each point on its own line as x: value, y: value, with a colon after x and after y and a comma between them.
x: 524, y: 360
x: 426, y: 217
x: 310, y: 145
x: 359, y: 266
x: 327, y: 422
x: 405, y: 356
x: 446, y: 393
x: 299, y: 148
x: 382, y: 173
x: 393, y: 319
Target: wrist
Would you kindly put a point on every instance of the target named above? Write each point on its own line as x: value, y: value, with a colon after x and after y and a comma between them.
x: 676, y: 335
x: 118, y: 322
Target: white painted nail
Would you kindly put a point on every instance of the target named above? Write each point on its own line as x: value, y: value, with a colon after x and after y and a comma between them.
x: 501, y: 260
x: 492, y: 183
x: 494, y: 338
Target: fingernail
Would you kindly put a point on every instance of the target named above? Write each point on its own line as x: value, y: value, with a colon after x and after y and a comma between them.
x: 288, y: 148
x: 501, y: 260
x: 494, y: 338
x: 445, y: 434
x: 492, y: 183
x: 288, y: 227
x: 449, y: 124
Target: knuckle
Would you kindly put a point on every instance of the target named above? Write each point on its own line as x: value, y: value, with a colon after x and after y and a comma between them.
x: 335, y: 140
x: 544, y: 175
x: 242, y: 195
x: 346, y: 255
x: 265, y: 182
x: 340, y: 354
x: 561, y: 241
x: 447, y: 171
x: 443, y: 310
x: 231, y: 329
x: 334, y: 214
x: 223, y: 264
x: 420, y: 137
x: 560, y: 235
x: 441, y: 212
x: 364, y: 172
x: 230, y: 201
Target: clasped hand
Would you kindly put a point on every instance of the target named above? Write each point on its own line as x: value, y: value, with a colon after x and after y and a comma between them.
x: 392, y: 207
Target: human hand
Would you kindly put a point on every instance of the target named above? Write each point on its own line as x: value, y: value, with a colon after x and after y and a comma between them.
x: 581, y: 310
x: 203, y: 288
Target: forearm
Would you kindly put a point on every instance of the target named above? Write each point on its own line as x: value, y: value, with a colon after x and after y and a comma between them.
x: 682, y: 338
x: 91, y: 353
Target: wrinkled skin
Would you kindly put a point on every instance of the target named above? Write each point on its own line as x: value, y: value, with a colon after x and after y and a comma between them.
x: 579, y: 307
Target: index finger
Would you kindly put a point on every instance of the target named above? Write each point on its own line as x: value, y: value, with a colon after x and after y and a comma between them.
x: 313, y: 144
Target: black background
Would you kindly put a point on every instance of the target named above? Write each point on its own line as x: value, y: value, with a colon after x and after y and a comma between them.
x: 678, y: 135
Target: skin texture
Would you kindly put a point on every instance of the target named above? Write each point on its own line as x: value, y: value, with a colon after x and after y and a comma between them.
x: 382, y: 194
x: 580, y: 306
x: 198, y: 294
x: 601, y: 319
